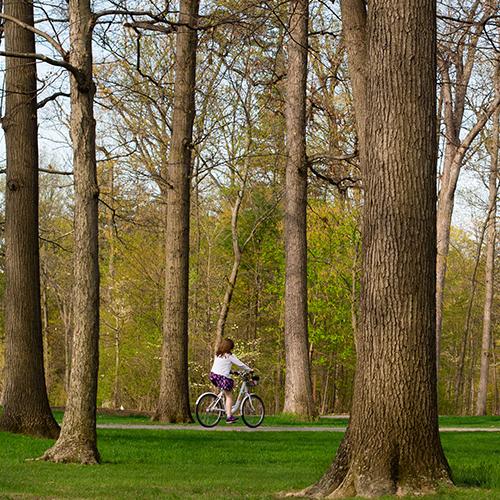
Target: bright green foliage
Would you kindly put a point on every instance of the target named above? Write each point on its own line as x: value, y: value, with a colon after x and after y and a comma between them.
x: 333, y: 290
x: 462, y: 326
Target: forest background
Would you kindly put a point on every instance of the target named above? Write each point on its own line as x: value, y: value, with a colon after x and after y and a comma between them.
x: 237, y: 188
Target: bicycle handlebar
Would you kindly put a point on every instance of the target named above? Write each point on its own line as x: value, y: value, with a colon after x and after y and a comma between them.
x: 239, y: 373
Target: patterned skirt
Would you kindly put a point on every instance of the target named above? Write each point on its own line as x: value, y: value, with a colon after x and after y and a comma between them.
x: 221, y: 381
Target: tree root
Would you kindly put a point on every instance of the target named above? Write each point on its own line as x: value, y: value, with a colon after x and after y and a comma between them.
x: 356, y: 485
x: 41, y: 428
x: 72, y: 452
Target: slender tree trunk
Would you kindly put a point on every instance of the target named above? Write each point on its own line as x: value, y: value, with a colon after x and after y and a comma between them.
x: 354, y: 35
x: 334, y: 387
x: 298, y: 390
x: 325, y: 392
x: 26, y: 405
x: 490, y: 257
x: 224, y: 310
x: 66, y: 313
x: 469, y: 390
x: 173, y: 401
x: 45, y: 336
x: 496, y: 395
x: 78, y: 441
x: 116, y: 393
x: 460, y: 379
x: 392, y: 444
x: 276, y: 388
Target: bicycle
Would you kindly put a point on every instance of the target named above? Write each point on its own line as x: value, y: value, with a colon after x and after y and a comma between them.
x: 210, y: 407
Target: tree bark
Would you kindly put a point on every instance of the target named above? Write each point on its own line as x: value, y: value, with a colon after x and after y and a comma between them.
x: 173, y: 401
x: 298, y: 389
x: 490, y: 256
x: 392, y: 444
x: 26, y: 405
x: 78, y: 441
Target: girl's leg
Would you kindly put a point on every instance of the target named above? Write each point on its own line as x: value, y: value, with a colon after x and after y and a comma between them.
x: 229, y: 402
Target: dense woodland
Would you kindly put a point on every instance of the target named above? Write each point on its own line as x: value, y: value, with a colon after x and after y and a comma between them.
x: 237, y: 195
x: 183, y: 204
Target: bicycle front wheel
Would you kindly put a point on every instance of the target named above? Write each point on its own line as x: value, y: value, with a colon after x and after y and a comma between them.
x: 209, y: 410
x: 252, y: 410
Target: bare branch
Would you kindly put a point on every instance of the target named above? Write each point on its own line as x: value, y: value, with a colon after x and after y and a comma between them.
x: 338, y: 183
x: 151, y: 26
x: 47, y: 37
x: 481, y: 122
x: 325, y: 157
x: 42, y: 57
x: 125, y: 12
x: 53, y: 171
x: 52, y: 97
x: 52, y: 242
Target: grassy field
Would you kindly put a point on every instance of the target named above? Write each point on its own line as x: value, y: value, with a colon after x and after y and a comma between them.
x: 196, y: 464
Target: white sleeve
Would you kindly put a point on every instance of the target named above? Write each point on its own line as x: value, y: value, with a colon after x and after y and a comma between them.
x: 239, y: 363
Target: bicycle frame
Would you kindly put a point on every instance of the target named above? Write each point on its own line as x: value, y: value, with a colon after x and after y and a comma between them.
x: 221, y: 397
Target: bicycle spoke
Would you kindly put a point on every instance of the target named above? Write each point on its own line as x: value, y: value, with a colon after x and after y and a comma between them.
x: 252, y: 411
x: 209, y: 410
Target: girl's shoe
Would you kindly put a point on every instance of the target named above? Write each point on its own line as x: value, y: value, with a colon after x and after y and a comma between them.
x: 231, y: 419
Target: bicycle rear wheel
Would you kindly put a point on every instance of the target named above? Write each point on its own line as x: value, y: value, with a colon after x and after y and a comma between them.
x: 252, y: 410
x: 209, y: 410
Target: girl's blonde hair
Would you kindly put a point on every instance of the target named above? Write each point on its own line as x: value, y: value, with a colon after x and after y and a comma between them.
x: 225, y: 347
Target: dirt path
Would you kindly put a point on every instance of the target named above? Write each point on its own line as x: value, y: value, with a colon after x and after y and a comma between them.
x: 281, y: 428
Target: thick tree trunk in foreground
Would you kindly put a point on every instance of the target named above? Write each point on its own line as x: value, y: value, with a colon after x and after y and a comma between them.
x: 26, y: 406
x: 490, y: 257
x: 298, y: 389
x: 173, y: 401
x: 78, y: 440
x: 392, y: 444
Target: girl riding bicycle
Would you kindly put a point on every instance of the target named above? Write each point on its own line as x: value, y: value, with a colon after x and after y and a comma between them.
x: 220, y: 373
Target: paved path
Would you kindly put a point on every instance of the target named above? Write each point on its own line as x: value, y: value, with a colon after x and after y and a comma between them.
x: 271, y: 428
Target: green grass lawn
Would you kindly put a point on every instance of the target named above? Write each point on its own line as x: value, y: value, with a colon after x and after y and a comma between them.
x: 197, y: 464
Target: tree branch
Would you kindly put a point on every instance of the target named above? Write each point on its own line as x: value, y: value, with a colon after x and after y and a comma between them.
x: 47, y: 37
x: 52, y: 97
x: 125, y: 12
x: 338, y: 183
x: 481, y: 122
x: 54, y: 62
x: 322, y: 157
x: 151, y: 26
x: 52, y: 171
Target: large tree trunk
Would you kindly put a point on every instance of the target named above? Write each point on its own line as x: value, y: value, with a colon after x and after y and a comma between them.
x: 26, y: 406
x: 490, y: 256
x: 392, y: 444
x: 173, y: 401
x: 298, y: 390
x: 78, y: 440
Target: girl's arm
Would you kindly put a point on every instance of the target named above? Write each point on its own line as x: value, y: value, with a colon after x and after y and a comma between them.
x: 239, y: 363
